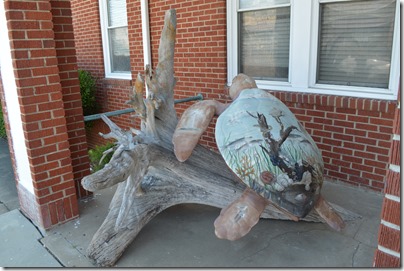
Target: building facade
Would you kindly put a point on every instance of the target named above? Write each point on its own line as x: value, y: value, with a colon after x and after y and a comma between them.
x: 347, y: 101
x: 335, y: 64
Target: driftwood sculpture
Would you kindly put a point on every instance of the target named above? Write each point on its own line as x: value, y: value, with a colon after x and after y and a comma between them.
x: 150, y: 177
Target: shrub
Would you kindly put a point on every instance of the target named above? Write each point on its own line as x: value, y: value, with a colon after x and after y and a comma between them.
x: 87, y: 91
x: 96, y: 155
x: 2, y: 125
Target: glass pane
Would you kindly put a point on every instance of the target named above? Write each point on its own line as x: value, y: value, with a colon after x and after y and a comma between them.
x: 355, y: 43
x: 117, y: 13
x: 244, y: 4
x: 264, y: 43
x: 119, y: 46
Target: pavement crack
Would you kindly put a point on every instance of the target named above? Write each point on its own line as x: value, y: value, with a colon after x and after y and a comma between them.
x: 354, y: 254
x: 358, y: 230
x: 50, y: 252
x: 5, y: 206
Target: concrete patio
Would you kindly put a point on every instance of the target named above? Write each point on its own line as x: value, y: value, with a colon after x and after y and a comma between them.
x: 183, y: 235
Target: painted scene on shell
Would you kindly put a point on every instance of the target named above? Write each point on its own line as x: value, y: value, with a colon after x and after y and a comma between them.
x: 264, y: 144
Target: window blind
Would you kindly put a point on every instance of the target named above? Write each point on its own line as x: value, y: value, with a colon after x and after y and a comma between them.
x: 117, y: 13
x: 264, y: 43
x: 118, y: 41
x: 250, y: 4
x: 355, y: 43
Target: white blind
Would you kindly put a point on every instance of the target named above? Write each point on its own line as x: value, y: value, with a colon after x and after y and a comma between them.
x: 249, y: 4
x: 117, y: 13
x: 264, y: 43
x: 355, y: 43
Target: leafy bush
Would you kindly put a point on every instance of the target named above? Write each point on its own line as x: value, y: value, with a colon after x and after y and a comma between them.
x: 87, y: 91
x: 96, y: 155
x: 2, y: 125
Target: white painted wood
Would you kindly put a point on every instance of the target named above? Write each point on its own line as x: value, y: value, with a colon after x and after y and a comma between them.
x: 13, y: 106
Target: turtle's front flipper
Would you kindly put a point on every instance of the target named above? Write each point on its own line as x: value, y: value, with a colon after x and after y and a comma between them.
x: 330, y: 216
x: 237, y: 219
x: 192, y: 125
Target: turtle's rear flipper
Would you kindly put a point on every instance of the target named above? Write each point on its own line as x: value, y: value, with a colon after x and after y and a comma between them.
x: 192, y: 125
x: 237, y: 219
x: 330, y: 216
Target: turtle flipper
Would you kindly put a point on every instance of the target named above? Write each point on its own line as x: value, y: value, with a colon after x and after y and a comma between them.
x: 330, y: 216
x: 237, y: 219
x: 192, y: 125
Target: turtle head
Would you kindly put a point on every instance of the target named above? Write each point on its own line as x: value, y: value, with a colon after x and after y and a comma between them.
x: 239, y: 83
x: 297, y: 199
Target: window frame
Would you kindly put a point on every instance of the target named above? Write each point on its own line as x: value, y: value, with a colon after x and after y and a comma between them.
x: 106, y: 44
x: 303, y: 54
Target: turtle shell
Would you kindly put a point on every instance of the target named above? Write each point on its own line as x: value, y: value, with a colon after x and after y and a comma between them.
x: 269, y: 150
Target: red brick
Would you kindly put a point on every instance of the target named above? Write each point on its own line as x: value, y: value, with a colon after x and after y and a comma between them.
x: 383, y: 122
x: 375, y: 164
x: 395, y: 157
x: 393, y: 185
x: 38, y: 15
x: 389, y: 238
x: 343, y: 151
x: 371, y: 176
x: 53, y: 213
x: 20, y: 5
x: 14, y: 15
x: 391, y: 211
x: 397, y: 122
x: 46, y: 220
x: 377, y: 150
x: 62, y: 186
x: 67, y: 208
x: 385, y: 260
x: 359, y: 180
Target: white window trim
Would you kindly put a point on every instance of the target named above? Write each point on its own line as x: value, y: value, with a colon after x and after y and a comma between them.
x: 303, y: 54
x: 105, y: 45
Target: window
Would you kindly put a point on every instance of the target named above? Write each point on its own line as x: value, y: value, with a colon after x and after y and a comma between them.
x: 114, y: 29
x: 264, y: 40
x: 346, y: 48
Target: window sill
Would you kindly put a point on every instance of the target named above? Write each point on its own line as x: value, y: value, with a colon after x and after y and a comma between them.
x: 355, y: 92
x: 117, y: 82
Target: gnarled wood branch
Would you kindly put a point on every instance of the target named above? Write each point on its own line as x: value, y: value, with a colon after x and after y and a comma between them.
x: 150, y: 178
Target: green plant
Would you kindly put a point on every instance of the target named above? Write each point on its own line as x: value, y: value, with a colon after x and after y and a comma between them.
x: 2, y: 125
x: 87, y: 91
x: 96, y: 155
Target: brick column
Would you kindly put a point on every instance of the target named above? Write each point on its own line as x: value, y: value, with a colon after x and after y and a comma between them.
x: 67, y: 64
x: 389, y: 241
x: 36, y: 91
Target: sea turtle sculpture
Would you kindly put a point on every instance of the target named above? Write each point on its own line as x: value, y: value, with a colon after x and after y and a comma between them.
x: 267, y: 148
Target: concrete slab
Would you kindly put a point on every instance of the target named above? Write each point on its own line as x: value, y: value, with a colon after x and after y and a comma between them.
x: 19, y: 243
x: 8, y: 190
x: 183, y: 236
x: 68, y: 242
x: 66, y: 252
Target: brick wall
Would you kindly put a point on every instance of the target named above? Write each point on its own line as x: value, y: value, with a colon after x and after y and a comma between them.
x: 111, y: 93
x: 389, y: 248
x: 354, y: 134
x: 44, y: 119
